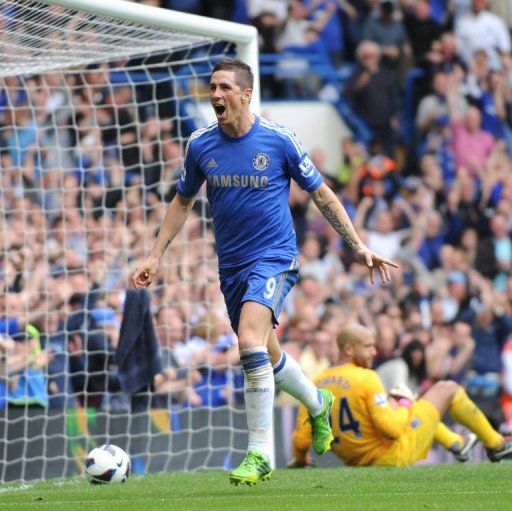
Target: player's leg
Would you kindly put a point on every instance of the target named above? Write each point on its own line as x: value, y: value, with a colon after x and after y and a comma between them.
x: 289, y: 377
x: 448, y: 438
x: 253, y: 330
x: 460, y: 446
x: 446, y: 395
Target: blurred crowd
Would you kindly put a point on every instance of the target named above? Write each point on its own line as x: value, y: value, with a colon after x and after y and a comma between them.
x: 87, y: 167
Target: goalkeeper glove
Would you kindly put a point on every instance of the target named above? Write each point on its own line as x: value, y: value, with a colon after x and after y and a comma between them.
x: 404, y: 391
x: 403, y: 394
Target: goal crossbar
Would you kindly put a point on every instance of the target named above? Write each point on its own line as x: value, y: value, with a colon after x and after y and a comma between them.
x: 244, y: 36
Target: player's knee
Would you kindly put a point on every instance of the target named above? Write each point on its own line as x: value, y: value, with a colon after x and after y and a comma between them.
x: 248, y: 337
x: 447, y: 388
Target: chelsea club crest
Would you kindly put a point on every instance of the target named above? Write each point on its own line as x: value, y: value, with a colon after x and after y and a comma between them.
x: 261, y: 161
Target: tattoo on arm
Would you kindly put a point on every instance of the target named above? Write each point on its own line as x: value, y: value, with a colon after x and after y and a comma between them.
x: 343, y: 229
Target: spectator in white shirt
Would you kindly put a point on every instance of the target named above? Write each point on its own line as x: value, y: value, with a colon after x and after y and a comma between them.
x: 279, y: 8
x: 482, y: 30
x: 384, y: 235
x: 296, y: 26
x: 503, y: 9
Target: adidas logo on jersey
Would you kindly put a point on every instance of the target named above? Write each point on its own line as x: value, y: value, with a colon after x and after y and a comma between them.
x: 211, y: 164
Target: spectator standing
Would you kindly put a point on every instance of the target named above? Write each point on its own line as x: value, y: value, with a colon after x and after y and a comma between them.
x: 430, y: 239
x: 385, y: 234
x: 494, y: 253
x: 433, y: 108
x: 373, y: 95
x: 326, y: 13
x: 300, y: 36
x: 421, y: 29
x: 482, y: 30
x: 389, y: 33
x: 470, y: 143
x: 490, y: 330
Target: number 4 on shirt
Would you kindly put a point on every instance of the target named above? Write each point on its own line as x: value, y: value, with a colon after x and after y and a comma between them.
x: 346, y: 419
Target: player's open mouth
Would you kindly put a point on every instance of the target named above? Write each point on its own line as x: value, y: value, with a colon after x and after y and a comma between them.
x: 219, y: 109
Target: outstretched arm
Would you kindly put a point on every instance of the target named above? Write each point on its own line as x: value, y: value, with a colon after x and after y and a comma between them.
x: 177, y: 213
x: 334, y: 212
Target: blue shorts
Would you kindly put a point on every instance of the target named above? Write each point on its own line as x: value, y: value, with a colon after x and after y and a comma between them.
x: 267, y: 281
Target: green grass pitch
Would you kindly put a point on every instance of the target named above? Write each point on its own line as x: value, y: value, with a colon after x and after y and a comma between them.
x: 471, y: 487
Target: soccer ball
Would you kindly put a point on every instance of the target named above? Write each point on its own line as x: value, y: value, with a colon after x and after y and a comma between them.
x: 107, y: 464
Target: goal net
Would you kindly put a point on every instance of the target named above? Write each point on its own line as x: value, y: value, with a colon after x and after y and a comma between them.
x: 97, y: 101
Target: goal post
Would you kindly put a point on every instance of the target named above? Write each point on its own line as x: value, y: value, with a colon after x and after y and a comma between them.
x: 97, y: 101
x: 244, y: 36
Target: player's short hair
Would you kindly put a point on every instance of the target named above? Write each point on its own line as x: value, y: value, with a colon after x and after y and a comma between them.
x: 351, y: 333
x: 243, y: 73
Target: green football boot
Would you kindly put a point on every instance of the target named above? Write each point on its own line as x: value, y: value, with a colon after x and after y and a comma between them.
x: 254, y: 468
x: 321, y: 431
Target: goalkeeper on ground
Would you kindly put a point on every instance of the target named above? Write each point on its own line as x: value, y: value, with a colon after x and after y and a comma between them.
x: 371, y: 429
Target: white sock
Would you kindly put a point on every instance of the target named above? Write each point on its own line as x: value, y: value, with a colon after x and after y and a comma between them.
x: 259, y: 397
x: 289, y: 377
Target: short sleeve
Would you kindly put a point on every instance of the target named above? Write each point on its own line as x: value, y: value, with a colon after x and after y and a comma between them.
x: 299, y: 165
x: 192, y: 177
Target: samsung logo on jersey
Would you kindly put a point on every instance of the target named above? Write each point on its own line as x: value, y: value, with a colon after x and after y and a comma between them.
x: 238, y: 181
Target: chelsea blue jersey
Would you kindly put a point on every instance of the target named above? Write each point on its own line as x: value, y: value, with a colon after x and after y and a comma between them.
x: 247, y: 185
